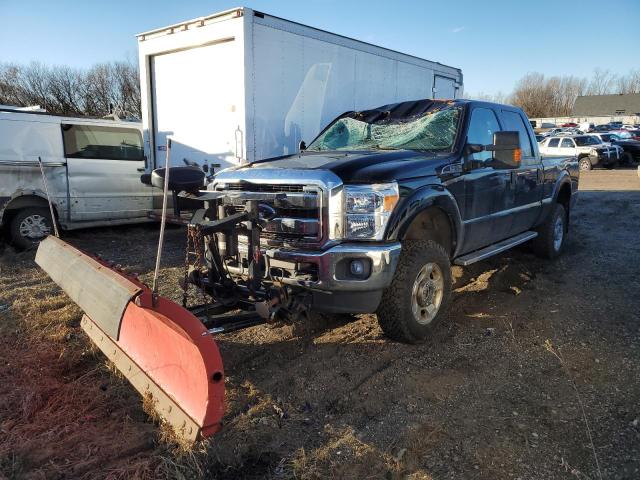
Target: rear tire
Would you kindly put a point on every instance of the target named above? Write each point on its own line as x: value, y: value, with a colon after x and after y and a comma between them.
x: 419, y: 294
x: 552, y: 234
x: 29, y: 226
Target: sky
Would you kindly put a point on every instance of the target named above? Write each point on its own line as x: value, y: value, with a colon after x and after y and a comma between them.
x: 494, y: 42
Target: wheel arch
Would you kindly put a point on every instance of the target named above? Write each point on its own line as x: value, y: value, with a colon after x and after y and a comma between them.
x: 431, y: 213
x: 22, y: 200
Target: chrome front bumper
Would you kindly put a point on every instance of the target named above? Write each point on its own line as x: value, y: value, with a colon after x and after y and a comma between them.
x: 383, y: 261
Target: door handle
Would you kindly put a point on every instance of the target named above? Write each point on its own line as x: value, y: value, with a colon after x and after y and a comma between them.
x: 141, y: 169
x: 514, y: 178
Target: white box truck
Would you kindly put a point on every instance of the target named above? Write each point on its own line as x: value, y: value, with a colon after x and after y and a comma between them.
x: 241, y: 85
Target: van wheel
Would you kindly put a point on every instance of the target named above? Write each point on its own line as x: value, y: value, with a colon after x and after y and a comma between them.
x: 552, y: 234
x: 29, y: 226
x: 585, y: 164
x: 419, y: 294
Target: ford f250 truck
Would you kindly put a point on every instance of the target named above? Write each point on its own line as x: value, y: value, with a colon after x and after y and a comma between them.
x: 371, y: 215
x: 368, y: 218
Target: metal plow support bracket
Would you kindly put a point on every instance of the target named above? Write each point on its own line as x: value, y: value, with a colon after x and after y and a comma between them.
x: 162, y: 349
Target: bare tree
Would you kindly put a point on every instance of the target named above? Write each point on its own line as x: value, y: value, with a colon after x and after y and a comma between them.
x: 65, y: 89
x: 103, y: 89
x: 629, y: 83
x: 602, y: 82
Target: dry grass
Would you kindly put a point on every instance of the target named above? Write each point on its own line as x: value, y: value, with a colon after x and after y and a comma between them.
x: 64, y: 410
x: 556, y: 353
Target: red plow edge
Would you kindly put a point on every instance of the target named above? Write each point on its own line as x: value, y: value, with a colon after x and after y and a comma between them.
x: 161, y: 348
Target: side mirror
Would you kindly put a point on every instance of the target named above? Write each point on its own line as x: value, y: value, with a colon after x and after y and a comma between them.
x: 506, y: 150
x: 302, y: 145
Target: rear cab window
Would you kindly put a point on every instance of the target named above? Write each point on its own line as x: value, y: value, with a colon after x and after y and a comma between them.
x: 102, y: 142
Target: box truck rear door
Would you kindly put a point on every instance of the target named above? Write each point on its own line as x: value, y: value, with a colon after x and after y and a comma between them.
x: 443, y: 87
x: 197, y: 95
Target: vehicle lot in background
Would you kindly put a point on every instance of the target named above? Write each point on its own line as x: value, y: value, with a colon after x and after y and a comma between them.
x: 589, y: 150
x: 484, y: 399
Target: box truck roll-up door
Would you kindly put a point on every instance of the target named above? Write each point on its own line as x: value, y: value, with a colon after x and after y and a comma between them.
x: 443, y: 87
x: 196, y: 100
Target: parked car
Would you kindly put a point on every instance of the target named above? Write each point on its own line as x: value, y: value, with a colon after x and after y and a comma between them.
x: 569, y: 124
x: 384, y: 200
x: 92, y: 169
x: 602, y: 128
x: 553, y: 131
x: 570, y: 131
x: 604, y: 139
x: 635, y: 134
x: 589, y: 150
x: 587, y: 127
x: 622, y: 134
x: 630, y: 148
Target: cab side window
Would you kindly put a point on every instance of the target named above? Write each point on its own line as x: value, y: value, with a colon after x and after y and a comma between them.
x: 514, y: 122
x: 482, y: 126
x: 554, y: 142
x: 567, y: 143
x: 101, y: 142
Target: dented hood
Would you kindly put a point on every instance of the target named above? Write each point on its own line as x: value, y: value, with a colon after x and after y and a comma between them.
x: 361, y: 166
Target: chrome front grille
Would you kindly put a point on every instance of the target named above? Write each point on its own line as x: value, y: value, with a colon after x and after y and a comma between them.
x: 263, y: 187
x: 296, y: 209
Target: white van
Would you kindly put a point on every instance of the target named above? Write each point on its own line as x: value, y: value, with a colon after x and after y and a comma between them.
x: 92, y: 168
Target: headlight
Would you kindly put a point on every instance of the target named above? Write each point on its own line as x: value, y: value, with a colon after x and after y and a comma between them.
x: 367, y: 209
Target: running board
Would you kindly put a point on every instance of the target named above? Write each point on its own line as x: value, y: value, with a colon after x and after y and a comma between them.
x: 494, y: 249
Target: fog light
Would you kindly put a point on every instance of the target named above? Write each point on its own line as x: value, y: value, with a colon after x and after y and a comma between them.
x: 357, y: 267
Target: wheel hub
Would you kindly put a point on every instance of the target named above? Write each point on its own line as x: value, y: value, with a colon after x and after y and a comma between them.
x: 558, y: 233
x: 427, y: 293
x: 34, y: 227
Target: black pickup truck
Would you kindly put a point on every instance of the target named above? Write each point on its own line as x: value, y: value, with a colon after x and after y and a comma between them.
x: 370, y: 215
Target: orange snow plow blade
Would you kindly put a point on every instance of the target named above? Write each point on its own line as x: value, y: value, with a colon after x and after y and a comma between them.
x: 160, y: 347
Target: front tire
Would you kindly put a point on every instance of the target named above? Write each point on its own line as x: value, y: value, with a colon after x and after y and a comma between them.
x: 552, y: 234
x: 585, y: 164
x: 419, y: 294
x: 29, y: 226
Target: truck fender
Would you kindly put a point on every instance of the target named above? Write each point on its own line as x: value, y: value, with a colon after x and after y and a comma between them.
x: 422, y: 199
x: 25, y: 198
x: 562, y: 186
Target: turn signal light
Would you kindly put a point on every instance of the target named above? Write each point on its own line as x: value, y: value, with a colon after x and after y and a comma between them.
x: 517, y: 155
x: 390, y: 201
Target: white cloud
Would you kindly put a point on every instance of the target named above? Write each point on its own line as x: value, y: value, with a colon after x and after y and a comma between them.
x: 457, y: 29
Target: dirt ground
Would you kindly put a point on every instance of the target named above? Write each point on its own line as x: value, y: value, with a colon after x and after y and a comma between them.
x: 535, y: 374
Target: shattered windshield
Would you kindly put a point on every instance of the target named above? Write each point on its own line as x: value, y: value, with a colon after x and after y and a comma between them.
x: 433, y: 131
